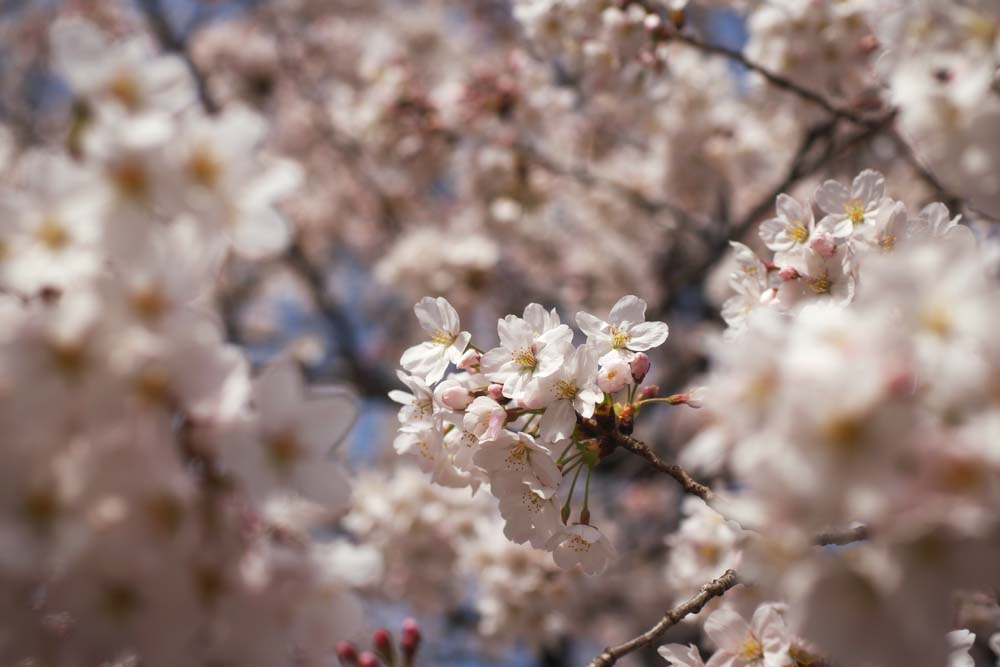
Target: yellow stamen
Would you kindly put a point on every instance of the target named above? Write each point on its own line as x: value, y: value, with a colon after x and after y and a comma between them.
x: 855, y: 210
x: 565, y: 389
x: 619, y: 337
x: 442, y: 337
x: 525, y: 358
x: 797, y: 232
x: 751, y: 650
x: 820, y: 285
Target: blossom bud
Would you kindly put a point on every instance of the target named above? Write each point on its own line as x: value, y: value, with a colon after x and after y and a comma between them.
x: 649, y: 392
x: 470, y: 361
x: 347, y: 654
x: 382, y: 641
x: 788, y: 273
x: 368, y: 659
x: 823, y: 245
x: 495, y: 391
x: 639, y: 367
x: 614, y: 376
x: 453, y: 395
x: 410, y: 641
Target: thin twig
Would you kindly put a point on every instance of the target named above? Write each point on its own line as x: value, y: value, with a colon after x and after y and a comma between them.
x: 612, y: 438
x: 709, y: 591
x: 171, y: 41
x: 841, y: 537
x: 371, y: 380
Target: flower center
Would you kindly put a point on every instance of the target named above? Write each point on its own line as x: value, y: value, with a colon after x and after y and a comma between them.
x: 565, y: 389
x: 820, y: 285
x: 855, y: 210
x: 52, y: 235
x: 937, y: 320
x: 130, y: 179
x: 284, y: 449
x: 125, y: 89
x: 203, y: 168
x: 619, y: 337
x: 797, y: 232
x: 886, y: 242
x: 751, y: 650
x: 517, y: 456
x: 442, y: 337
x: 525, y: 358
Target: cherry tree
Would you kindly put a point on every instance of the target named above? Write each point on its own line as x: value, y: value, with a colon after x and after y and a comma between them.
x: 739, y: 405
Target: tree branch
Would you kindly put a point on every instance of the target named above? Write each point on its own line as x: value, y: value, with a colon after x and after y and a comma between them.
x: 709, y: 591
x: 841, y: 537
x: 172, y: 42
x: 612, y: 438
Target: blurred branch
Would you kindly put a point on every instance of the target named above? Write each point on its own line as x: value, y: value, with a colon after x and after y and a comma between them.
x: 708, y: 592
x: 587, y: 178
x: 173, y: 42
x: 839, y: 538
x: 371, y: 380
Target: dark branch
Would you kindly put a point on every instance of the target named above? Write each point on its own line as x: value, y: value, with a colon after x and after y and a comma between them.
x: 612, y: 438
x: 709, y: 591
x: 172, y: 42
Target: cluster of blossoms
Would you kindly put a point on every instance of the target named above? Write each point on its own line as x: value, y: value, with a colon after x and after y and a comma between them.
x: 821, y: 261
x: 521, y: 417
x: 879, y: 412
x: 140, y: 457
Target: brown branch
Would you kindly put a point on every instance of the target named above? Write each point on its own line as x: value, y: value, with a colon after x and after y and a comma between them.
x: 611, y: 438
x: 708, y: 592
x: 841, y: 537
x: 371, y: 380
x: 587, y: 178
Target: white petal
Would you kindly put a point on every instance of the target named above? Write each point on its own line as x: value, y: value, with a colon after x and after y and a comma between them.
x: 831, y: 197
x: 629, y: 308
x: 647, y: 335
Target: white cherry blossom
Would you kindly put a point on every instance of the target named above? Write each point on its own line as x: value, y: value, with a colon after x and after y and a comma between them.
x: 626, y: 331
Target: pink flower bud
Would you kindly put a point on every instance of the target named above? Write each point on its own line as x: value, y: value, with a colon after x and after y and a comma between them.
x: 788, y: 273
x: 368, y: 659
x: 453, y: 395
x: 382, y: 641
x: 614, y: 376
x: 649, y: 392
x: 470, y: 361
x: 823, y: 245
x: 639, y: 366
x: 411, y: 639
x: 495, y: 391
x: 347, y: 654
